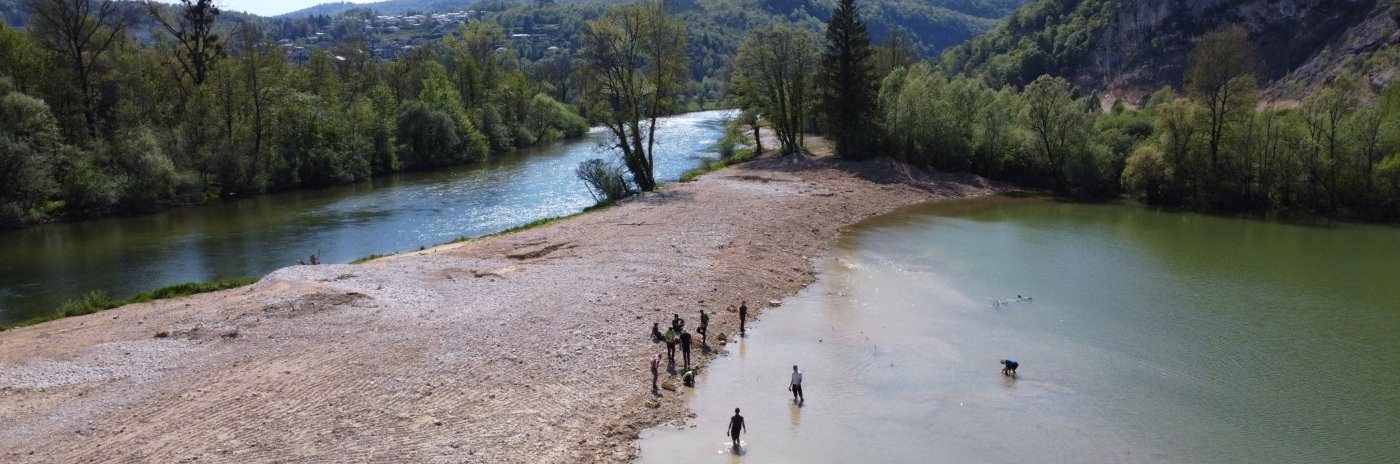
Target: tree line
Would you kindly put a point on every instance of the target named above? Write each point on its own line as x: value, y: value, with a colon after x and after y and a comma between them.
x: 93, y: 123
x: 1210, y: 146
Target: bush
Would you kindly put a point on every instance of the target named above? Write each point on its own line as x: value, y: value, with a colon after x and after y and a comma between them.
x: 88, y: 191
x: 28, y: 146
x: 605, y: 180
x: 149, y: 175
x: 733, y: 137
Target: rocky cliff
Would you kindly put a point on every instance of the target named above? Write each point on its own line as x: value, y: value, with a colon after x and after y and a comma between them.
x: 1128, y: 48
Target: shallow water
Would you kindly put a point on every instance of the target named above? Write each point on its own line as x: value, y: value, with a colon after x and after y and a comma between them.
x: 45, y: 265
x: 1151, y: 337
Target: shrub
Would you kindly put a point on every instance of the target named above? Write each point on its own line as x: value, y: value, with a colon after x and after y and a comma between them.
x: 604, y: 179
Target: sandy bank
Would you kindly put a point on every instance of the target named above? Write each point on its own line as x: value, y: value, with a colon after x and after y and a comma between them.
x: 527, y: 347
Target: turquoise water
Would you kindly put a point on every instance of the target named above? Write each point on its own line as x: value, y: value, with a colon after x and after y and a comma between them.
x: 45, y: 265
x: 1151, y: 337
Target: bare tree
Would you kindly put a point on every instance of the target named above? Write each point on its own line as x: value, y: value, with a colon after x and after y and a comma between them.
x: 636, y: 62
x: 198, y: 46
x: 80, y: 31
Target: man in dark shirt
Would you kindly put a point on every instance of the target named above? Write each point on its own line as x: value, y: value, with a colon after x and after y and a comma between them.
x: 685, y: 346
x: 704, y: 328
x: 736, y: 425
x: 655, y: 370
x: 743, y: 315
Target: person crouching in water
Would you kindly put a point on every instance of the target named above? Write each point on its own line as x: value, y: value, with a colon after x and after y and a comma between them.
x: 1009, y: 367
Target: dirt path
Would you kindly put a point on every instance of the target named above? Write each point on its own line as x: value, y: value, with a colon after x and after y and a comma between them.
x: 528, y: 347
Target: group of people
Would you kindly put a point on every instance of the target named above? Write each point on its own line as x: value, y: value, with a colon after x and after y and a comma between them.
x: 677, y: 335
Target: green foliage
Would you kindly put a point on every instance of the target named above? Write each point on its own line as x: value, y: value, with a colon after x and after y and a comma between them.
x: 180, y: 122
x: 635, y: 65
x: 733, y: 137
x: 29, y: 147
x: 773, y: 75
x: 605, y: 180
x: 547, y: 120
x: 147, y: 176
x: 366, y: 259
x: 846, y: 84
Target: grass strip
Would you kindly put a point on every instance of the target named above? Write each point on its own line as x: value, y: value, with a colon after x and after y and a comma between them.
x: 100, y: 300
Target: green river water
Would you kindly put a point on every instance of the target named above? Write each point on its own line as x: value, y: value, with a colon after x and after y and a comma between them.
x: 1151, y: 337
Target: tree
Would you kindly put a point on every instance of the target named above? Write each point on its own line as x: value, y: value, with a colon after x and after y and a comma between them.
x: 1324, y: 113
x: 636, y: 62
x: 898, y: 50
x: 22, y: 61
x: 80, y: 31
x: 28, y: 146
x: 198, y: 46
x: 847, y: 83
x: 1058, y: 125
x: 1221, y: 78
x: 773, y: 74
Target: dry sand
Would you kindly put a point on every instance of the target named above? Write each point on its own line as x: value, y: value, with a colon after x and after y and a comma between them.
x: 526, y: 347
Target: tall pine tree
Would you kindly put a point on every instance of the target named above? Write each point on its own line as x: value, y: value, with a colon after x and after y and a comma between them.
x: 846, y: 83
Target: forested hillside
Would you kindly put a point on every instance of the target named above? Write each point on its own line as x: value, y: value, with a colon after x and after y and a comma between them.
x: 934, y: 24
x: 1257, y: 106
x: 1133, y: 47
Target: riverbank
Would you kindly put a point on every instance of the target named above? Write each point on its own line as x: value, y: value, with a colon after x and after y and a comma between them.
x: 527, y: 347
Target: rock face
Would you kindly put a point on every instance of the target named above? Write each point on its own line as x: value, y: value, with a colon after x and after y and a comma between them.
x: 1301, y: 43
x: 1130, y: 48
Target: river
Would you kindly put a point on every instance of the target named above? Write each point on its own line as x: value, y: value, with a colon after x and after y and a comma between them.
x: 1149, y: 337
x: 45, y: 265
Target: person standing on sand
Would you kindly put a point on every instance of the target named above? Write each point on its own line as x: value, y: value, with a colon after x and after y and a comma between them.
x: 685, y: 347
x: 743, y: 315
x: 796, y: 385
x: 736, y: 425
x: 656, y: 332
x: 704, y: 328
x: 655, y: 370
x: 671, y: 345
x: 677, y: 323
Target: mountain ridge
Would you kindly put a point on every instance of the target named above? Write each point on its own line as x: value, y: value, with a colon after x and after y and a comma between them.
x: 1129, y: 48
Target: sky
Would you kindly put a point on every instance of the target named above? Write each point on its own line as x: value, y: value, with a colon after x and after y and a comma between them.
x: 271, y: 7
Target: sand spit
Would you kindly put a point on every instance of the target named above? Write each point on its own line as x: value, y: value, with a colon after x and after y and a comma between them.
x: 527, y: 347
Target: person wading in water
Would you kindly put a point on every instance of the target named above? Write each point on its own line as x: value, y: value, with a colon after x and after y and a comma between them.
x: 736, y: 425
x: 796, y: 386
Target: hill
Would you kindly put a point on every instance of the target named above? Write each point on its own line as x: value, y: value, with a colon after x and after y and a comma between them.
x: 1132, y: 47
x: 936, y: 25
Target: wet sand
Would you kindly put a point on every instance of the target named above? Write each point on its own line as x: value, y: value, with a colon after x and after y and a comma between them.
x: 527, y: 347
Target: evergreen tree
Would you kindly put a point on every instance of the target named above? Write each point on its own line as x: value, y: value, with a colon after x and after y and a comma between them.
x: 846, y: 82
